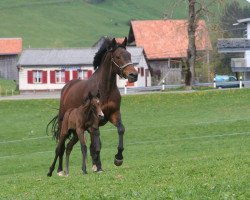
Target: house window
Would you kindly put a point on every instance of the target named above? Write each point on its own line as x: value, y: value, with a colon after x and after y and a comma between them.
x: 37, y: 76
x: 82, y: 74
x: 60, y: 76
x: 142, y: 71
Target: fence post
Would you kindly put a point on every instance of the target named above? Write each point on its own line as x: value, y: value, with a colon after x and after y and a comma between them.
x: 240, y: 81
x: 163, y: 85
x: 125, y: 89
x: 214, y: 83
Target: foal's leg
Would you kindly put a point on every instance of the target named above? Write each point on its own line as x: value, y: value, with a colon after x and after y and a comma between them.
x: 58, y: 150
x: 116, y: 120
x: 69, y: 148
x: 60, y: 168
x: 95, y: 149
x: 81, y: 137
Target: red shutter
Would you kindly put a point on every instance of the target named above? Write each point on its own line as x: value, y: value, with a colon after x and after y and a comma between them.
x: 75, y: 74
x: 52, y: 77
x: 30, y: 76
x: 44, y: 76
x: 66, y: 76
x: 89, y: 73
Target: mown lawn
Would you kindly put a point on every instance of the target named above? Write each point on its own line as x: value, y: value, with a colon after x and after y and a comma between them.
x: 177, y: 146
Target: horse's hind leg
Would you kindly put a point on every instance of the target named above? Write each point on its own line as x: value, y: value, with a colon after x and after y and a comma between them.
x: 57, y: 152
x: 69, y: 148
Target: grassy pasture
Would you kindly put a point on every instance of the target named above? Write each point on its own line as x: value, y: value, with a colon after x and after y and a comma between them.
x: 76, y: 23
x: 177, y: 146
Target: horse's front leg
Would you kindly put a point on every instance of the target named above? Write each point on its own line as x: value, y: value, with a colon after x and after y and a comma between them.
x: 116, y: 120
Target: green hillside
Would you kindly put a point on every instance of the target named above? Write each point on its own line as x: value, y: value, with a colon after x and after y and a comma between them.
x: 75, y: 23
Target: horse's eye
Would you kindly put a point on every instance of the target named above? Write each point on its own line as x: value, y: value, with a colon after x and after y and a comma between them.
x: 118, y: 57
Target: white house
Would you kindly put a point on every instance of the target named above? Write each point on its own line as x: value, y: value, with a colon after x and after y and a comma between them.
x: 238, y: 45
x: 50, y: 69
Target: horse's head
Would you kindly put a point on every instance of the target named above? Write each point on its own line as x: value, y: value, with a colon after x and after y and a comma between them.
x: 121, y: 60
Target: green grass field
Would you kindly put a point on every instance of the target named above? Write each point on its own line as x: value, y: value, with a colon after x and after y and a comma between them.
x: 7, y: 87
x: 75, y: 23
x: 177, y: 146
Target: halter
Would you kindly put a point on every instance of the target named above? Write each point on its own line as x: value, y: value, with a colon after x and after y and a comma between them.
x: 123, y: 66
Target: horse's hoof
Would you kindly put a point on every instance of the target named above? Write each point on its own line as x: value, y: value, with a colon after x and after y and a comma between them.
x: 118, y: 162
x: 84, y: 172
x: 99, y: 171
x: 94, y: 168
x: 60, y: 173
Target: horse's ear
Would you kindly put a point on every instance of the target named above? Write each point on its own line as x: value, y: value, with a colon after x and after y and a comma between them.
x: 90, y: 96
x: 113, y: 42
x: 125, y: 42
x: 98, y: 95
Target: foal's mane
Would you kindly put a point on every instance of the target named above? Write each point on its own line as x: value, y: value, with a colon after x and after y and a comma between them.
x: 87, y: 107
x: 106, y: 46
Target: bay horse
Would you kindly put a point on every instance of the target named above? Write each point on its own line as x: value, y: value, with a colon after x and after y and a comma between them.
x: 76, y: 121
x: 111, y: 59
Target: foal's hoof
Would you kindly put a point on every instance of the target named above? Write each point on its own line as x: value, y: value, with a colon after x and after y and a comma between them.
x: 118, y: 162
x: 49, y: 174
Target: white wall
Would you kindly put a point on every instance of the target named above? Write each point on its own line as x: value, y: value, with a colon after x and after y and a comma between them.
x: 25, y: 86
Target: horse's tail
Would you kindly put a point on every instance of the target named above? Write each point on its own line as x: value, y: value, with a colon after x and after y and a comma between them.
x: 54, y: 127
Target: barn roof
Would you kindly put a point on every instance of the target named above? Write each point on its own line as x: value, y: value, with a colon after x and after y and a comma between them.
x: 10, y: 46
x: 166, y: 38
x: 71, y: 56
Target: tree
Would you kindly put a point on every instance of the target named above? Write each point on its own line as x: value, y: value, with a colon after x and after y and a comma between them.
x: 232, y: 12
x: 191, y: 51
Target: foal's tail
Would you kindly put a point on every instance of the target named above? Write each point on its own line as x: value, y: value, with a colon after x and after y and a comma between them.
x: 54, y: 127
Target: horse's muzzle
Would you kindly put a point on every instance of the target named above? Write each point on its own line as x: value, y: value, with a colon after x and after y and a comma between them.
x: 101, y: 117
x: 132, y: 77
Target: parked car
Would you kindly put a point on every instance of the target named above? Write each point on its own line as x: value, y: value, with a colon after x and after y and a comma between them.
x: 225, y: 81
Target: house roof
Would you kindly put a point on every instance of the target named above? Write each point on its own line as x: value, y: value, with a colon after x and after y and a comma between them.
x: 71, y: 56
x: 10, y: 46
x: 163, y: 39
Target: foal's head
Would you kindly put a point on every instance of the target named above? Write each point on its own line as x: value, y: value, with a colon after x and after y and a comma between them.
x: 95, y: 107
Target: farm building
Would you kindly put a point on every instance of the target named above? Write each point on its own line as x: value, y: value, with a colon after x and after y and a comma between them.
x: 165, y: 43
x: 10, y: 48
x: 50, y: 69
x: 238, y: 45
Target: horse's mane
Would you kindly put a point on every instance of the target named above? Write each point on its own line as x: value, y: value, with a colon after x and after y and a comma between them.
x: 107, y: 45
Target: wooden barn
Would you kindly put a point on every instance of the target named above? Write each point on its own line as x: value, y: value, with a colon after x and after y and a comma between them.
x: 165, y: 43
x: 50, y: 69
x: 10, y: 48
